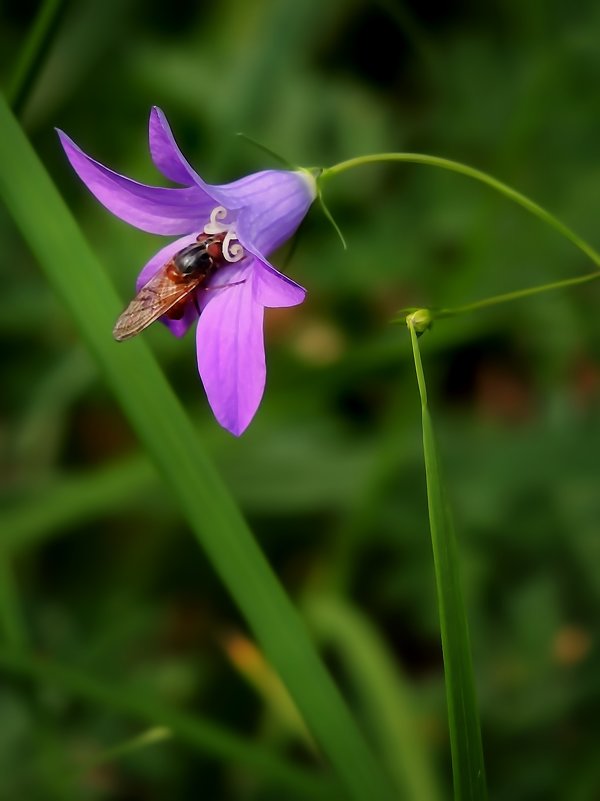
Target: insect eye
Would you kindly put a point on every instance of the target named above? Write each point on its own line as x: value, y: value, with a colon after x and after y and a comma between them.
x: 193, y: 259
x: 201, y: 261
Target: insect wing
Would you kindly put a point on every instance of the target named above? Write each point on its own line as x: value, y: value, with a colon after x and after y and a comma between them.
x: 153, y: 300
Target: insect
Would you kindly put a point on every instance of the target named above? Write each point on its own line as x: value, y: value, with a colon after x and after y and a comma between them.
x: 168, y: 292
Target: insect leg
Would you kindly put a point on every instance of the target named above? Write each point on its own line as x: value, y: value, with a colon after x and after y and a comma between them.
x: 223, y: 286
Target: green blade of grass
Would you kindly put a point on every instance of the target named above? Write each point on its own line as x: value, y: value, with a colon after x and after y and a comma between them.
x: 170, y: 439
x: 384, y: 694
x: 34, y: 51
x: 463, y: 716
x: 199, y: 733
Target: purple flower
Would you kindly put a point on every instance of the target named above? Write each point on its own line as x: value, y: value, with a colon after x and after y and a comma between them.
x: 255, y: 214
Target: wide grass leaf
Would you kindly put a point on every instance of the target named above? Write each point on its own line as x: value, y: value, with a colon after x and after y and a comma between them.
x: 171, y: 441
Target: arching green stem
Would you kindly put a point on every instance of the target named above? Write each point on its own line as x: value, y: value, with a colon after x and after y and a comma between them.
x: 463, y: 169
x: 517, y: 295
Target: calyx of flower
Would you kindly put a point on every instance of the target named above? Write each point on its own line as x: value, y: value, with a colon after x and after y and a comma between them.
x: 232, y: 249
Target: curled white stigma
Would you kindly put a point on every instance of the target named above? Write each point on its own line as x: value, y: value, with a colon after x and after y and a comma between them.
x: 215, y: 226
x: 232, y: 250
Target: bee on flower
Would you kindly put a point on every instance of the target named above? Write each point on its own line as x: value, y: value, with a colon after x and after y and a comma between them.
x: 216, y: 274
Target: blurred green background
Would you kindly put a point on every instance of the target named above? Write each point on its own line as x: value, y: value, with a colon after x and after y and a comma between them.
x: 98, y: 566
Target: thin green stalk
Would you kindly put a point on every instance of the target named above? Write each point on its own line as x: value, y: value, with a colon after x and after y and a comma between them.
x: 463, y: 715
x: 516, y: 295
x: 495, y: 300
x: 287, y: 165
x: 455, y: 166
x: 147, y: 738
x: 331, y: 218
x: 33, y: 53
x: 199, y: 733
x: 162, y: 425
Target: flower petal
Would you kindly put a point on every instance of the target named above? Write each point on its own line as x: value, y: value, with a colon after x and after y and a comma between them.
x: 165, y: 152
x: 231, y: 355
x: 272, y: 288
x: 273, y: 203
x: 151, y: 208
x: 169, y: 159
x: 176, y: 327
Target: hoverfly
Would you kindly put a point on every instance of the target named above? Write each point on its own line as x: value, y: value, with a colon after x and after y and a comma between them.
x: 168, y: 292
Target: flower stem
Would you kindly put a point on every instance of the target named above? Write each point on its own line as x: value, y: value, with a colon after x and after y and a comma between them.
x: 33, y: 52
x: 463, y: 716
x: 516, y: 295
x: 463, y: 169
x: 495, y: 300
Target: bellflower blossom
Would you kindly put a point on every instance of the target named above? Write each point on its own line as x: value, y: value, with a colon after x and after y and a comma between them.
x: 256, y: 214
